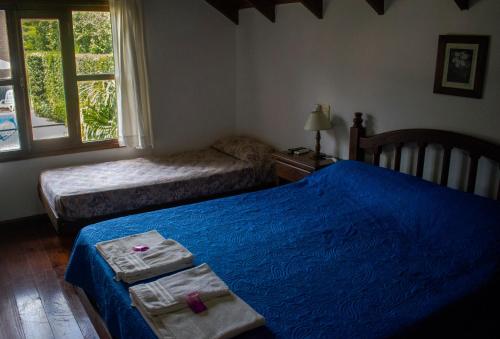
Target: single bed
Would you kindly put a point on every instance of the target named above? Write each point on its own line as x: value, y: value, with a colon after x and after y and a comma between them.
x: 352, y: 251
x: 82, y: 194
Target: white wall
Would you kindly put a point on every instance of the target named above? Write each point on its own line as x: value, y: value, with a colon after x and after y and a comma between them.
x: 191, y: 52
x: 359, y: 61
x: 192, y: 72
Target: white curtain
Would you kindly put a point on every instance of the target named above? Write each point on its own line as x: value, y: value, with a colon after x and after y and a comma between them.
x: 134, y: 113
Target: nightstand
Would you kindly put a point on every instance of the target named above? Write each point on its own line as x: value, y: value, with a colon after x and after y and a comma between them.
x: 290, y: 167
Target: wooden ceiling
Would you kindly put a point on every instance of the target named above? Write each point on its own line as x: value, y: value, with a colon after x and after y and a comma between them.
x: 230, y: 8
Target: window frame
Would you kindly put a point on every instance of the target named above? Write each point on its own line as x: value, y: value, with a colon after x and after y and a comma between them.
x: 30, y: 148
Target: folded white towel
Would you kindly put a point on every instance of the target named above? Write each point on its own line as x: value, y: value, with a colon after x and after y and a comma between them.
x: 163, y: 256
x: 226, y: 317
x: 168, y: 294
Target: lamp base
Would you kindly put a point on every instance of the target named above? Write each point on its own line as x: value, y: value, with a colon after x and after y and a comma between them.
x: 317, y: 153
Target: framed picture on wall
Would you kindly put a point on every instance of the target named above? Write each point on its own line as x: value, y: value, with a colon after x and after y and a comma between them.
x: 461, y: 65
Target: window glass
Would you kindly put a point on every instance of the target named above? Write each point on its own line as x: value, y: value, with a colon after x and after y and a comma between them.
x: 93, y: 43
x: 4, y: 48
x: 9, y: 132
x: 43, y: 61
x: 98, y: 110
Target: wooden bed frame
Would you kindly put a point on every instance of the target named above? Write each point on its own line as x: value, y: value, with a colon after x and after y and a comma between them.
x: 360, y: 145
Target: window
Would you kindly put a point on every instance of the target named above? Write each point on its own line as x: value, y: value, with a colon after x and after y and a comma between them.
x: 9, y: 130
x: 57, y: 84
x: 94, y: 69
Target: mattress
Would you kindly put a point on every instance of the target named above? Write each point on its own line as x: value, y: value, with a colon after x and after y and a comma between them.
x: 89, y: 191
x: 352, y: 251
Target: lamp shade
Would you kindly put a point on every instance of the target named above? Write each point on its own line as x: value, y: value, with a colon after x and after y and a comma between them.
x: 317, y: 121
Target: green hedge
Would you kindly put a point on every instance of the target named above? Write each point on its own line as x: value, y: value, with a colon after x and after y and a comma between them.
x: 46, y: 87
x: 94, y: 63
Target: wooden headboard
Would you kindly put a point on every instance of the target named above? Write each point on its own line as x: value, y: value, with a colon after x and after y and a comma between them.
x: 360, y: 144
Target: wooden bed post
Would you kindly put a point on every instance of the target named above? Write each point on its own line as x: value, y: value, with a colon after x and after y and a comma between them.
x: 357, y: 131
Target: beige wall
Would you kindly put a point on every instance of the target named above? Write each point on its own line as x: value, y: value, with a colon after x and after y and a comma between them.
x: 356, y: 60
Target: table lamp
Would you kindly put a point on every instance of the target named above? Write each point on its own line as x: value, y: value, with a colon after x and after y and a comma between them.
x: 318, y: 121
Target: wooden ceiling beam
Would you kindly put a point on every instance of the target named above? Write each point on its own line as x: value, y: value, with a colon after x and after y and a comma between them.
x: 378, y: 6
x: 462, y: 4
x: 229, y: 8
x: 315, y: 6
x: 266, y: 7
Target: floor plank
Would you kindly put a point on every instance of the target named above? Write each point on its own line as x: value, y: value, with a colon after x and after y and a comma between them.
x: 35, y: 300
x: 82, y: 318
x: 20, y: 250
x: 30, y: 308
x: 56, y: 307
x: 58, y: 250
x: 11, y: 326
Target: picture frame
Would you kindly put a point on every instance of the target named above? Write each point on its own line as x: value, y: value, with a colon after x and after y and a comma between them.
x: 461, y: 65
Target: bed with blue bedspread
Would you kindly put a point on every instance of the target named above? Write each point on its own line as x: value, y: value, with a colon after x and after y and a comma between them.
x: 352, y: 251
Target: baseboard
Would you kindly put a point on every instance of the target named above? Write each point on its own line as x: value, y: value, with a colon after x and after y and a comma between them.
x: 26, y: 220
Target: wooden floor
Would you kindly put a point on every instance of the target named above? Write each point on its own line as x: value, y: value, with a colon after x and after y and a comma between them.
x: 35, y: 301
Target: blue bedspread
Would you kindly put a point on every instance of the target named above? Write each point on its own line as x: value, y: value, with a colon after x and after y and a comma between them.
x: 352, y: 251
